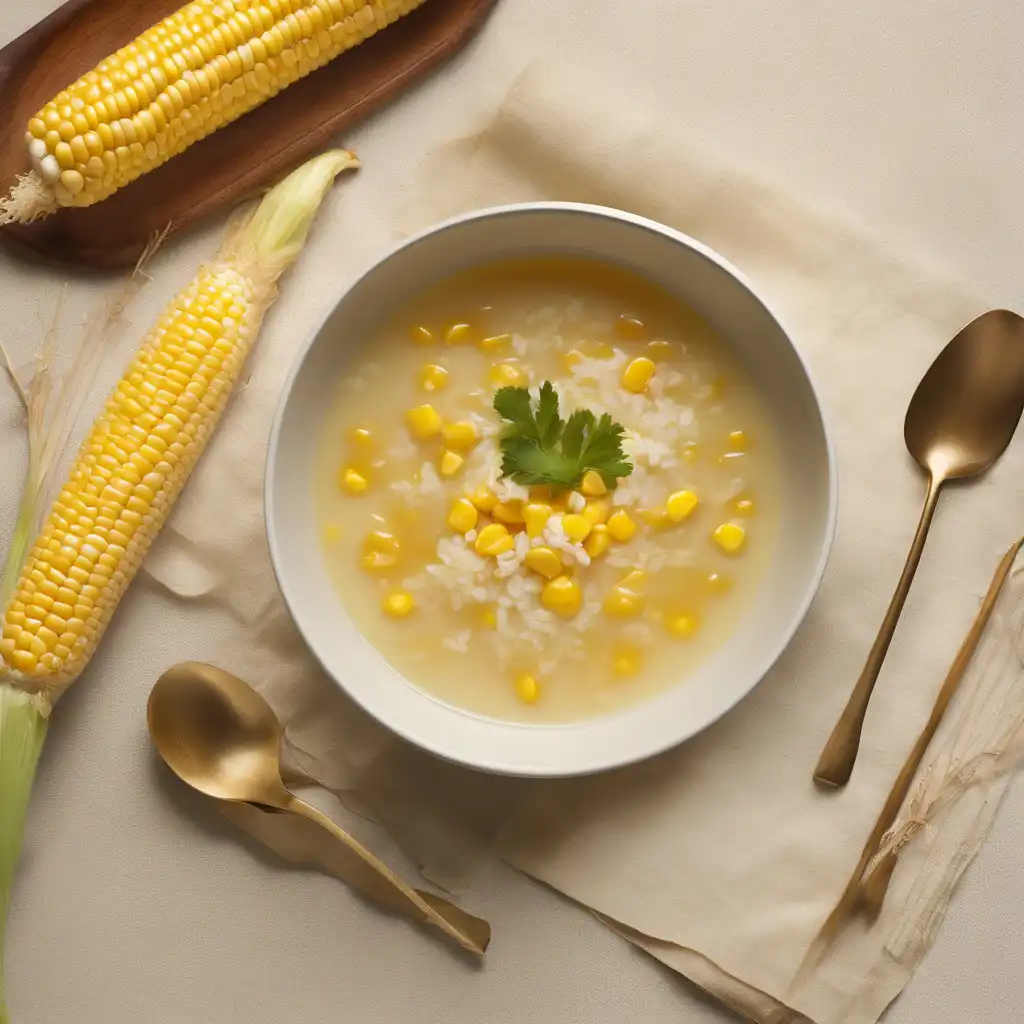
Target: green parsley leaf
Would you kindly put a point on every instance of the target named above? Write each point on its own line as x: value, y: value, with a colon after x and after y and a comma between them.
x: 549, y: 423
x: 513, y: 404
x: 539, y: 447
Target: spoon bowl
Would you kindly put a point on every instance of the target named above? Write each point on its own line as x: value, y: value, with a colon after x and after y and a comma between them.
x: 966, y: 408
x: 216, y: 733
x: 960, y: 420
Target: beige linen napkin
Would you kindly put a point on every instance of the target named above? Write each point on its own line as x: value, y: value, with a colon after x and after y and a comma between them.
x: 720, y: 858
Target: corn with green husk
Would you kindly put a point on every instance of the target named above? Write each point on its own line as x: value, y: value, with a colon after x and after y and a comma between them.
x: 60, y: 591
x: 199, y: 69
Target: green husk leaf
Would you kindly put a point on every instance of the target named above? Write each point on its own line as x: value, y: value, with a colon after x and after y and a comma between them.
x: 23, y: 726
x: 271, y: 238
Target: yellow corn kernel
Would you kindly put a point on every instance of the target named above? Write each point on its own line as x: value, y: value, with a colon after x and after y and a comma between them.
x: 730, y: 537
x: 451, y: 463
x: 637, y: 374
x: 659, y: 350
x: 543, y: 561
x: 737, y: 441
x: 360, y: 437
x: 354, y: 482
x: 598, y: 542
x: 399, y: 604
x: 681, y: 624
x: 433, y: 377
x: 510, y: 511
x: 562, y: 596
x: 496, y: 342
x: 680, y: 505
x: 460, y: 435
x: 494, y: 539
x: 488, y: 616
x: 421, y: 335
x: 463, y: 516
x: 571, y: 358
x: 458, y: 334
x: 596, y: 512
x: 621, y: 526
x: 626, y: 661
x: 536, y: 515
x: 623, y: 602
x: 527, y: 689
x: 576, y: 527
x: 718, y: 583
x: 631, y: 328
x: 332, y: 533
x: 73, y: 181
x: 380, y: 550
x: 424, y: 422
x: 484, y: 498
x: 593, y: 485
x: 508, y: 375
x: 655, y: 516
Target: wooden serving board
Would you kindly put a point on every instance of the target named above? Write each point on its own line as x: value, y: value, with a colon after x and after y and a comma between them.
x: 229, y: 165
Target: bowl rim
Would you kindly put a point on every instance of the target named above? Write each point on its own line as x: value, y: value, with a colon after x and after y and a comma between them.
x: 605, y: 761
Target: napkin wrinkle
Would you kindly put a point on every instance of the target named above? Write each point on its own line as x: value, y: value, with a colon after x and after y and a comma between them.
x: 743, y: 1000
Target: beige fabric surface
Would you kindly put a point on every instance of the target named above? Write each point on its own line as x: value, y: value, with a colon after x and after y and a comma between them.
x: 721, y: 858
x: 135, y: 904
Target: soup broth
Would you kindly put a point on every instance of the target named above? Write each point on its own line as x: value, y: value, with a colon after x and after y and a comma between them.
x: 532, y: 602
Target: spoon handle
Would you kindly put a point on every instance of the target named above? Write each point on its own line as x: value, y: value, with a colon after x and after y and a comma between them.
x: 376, y: 880
x: 837, y: 758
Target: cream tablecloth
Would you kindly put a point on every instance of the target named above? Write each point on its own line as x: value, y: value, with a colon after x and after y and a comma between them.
x: 131, y: 907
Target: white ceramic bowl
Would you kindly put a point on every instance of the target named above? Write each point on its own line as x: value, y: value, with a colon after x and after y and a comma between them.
x: 715, y: 289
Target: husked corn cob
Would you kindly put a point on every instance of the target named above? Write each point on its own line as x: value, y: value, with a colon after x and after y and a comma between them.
x: 195, y: 71
x: 137, y: 457
x: 128, y: 472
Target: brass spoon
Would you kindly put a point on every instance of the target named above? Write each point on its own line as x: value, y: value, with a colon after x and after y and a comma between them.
x: 960, y: 420
x: 216, y: 733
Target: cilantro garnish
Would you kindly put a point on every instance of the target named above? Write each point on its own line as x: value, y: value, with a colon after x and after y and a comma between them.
x: 539, y: 447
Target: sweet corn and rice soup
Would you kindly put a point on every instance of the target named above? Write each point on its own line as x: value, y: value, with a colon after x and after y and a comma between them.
x: 542, y: 603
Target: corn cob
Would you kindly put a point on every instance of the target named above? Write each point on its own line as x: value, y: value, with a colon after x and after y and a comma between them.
x: 199, y: 69
x: 126, y: 477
